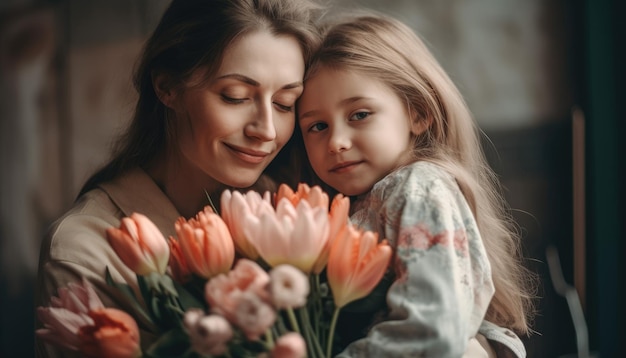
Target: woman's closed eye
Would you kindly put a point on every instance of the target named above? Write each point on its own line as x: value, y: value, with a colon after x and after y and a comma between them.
x: 284, y: 107
x: 232, y: 100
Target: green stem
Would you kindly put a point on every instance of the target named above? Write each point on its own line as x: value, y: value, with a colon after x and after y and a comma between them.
x: 269, y: 339
x: 293, y: 320
x: 331, y: 333
x: 311, y: 338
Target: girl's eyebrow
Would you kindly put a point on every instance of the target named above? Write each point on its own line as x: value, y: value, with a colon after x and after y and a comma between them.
x: 341, y: 103
x: 250, y: 81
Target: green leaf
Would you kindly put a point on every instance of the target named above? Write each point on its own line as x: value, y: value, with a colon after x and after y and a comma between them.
x: 188, y: 300
x: 128, y: 293
x: 173, y: 343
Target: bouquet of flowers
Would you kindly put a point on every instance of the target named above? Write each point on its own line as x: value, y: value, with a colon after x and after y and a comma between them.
x: 267, y: 276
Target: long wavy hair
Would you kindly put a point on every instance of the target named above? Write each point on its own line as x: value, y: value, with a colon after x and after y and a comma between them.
x: 384, y: 48
x: 192, y: 35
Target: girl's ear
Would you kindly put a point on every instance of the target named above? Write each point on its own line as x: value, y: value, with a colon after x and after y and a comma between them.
x: 420, y: 124
x: 163, y: 90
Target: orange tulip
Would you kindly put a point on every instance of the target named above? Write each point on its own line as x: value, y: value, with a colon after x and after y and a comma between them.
x: 206, y: 243
x: 356, y: 264
x: 338, y: 218
x: 315, y: 195
x: 237, y: 208
x: 179, y: 268
x: 140, y: 244
x: 114, y: 334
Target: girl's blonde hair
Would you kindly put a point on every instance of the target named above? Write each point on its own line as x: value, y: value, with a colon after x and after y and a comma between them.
x: 386, y: 49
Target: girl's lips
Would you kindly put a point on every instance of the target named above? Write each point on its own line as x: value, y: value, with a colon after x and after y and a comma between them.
x: 248, y: 155
x: 345, y: 166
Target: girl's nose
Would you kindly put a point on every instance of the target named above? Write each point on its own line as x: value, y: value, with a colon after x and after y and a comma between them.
x: 339, y: 141
x: 262, y: 125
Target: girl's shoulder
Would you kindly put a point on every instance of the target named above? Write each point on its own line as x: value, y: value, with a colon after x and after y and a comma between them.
x: 417, y: 176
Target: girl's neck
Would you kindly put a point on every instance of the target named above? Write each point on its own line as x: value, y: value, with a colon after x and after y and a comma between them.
x: 185, y: 185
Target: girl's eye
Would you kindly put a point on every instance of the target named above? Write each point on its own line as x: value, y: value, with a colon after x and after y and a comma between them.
x: 283, y: 107
x: 232, y: 100
x: 318, y: 127
x: 360, y: 115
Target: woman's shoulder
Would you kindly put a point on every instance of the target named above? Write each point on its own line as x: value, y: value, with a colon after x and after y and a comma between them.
x: 82, y: 228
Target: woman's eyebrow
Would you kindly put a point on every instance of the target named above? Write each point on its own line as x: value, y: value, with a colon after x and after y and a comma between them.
x: 250, y: 81
x: 240, y: 77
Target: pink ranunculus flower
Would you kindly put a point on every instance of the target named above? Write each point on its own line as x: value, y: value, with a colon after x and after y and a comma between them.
x: 289, y: 287
x: 209, y: 334
x: 289, y: 345
x: 314, y: 195
x: 140, y: 244
x: 356, y: 263
x: 239, y: 208
x: 338, y: 218
x: 223, y: 292
x: 253, y: 315
x: 114, y: 334
x: 289, y: 235
x: 206, y: 243
x: 67, y: 313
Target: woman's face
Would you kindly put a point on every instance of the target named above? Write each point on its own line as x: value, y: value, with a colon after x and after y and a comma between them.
x: 231, y: 128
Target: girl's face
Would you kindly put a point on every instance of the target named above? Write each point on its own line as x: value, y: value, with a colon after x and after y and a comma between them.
x: 231, y: 128
x: 356, y: 130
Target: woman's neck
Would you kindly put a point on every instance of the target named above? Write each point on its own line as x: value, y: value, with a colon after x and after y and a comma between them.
x: 189, y: 189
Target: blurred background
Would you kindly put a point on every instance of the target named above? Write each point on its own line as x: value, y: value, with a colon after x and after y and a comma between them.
x: 544, y: 79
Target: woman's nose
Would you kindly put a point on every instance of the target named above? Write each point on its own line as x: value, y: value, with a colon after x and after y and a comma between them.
x: 262, y: 124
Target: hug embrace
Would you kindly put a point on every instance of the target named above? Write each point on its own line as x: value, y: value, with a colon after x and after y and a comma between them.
x: 255, y: 95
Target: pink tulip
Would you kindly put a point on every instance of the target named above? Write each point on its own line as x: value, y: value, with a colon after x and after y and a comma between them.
x: 224, y: 292
x: 338, y: 218
x: 290, y: 345
x: 61, y: 326
x: 114, y: 334
x: 237, y: 209
x: 206, y: 244
x: 356, y: 264
x: 140, y: 245
x: 294, y: 236
x: 67, y: 313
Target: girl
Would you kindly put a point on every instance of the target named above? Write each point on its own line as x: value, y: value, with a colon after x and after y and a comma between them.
x: 217, y: 85
x: 382, y: 122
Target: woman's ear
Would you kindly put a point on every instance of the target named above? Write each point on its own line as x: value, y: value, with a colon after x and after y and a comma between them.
x: 163, y: 89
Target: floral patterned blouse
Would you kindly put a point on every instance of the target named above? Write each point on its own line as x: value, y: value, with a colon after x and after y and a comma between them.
x: 438, y: 286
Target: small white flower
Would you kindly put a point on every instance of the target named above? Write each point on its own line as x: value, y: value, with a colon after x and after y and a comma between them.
x: 289, y: 287
x: 210, y: 334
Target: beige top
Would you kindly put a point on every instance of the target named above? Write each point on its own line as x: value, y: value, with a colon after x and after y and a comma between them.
x: 76, y: 244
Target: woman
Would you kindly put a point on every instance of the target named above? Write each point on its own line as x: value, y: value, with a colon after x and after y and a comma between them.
x: 217, y: 85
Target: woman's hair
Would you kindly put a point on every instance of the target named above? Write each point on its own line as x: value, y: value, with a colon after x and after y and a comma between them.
x: 385, y: 49
x: 193, y: 35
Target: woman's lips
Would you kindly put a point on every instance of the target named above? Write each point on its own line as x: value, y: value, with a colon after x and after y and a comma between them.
x: 247, y: 155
